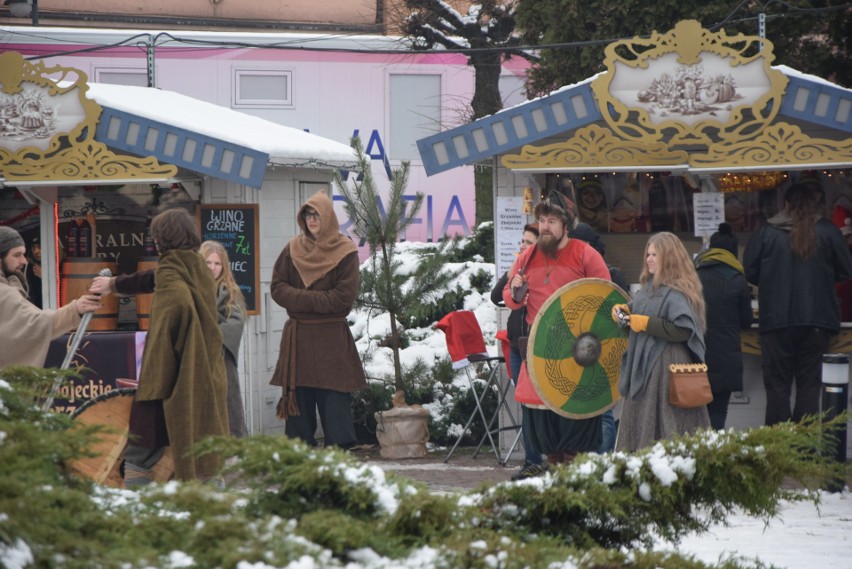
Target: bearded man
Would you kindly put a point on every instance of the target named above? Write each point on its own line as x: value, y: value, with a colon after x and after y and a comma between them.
x: 26, y: 329
x: 537, y: 273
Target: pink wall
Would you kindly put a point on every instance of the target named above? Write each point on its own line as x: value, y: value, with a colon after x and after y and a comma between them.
x: 343, y: 12
x: 335, y: 94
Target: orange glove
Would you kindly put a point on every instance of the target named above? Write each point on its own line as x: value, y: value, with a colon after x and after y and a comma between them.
x: 639, y: 322
x: 615, y: 309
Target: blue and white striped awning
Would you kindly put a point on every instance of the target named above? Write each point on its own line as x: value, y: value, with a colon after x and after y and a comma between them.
x: 807, y: 98
x: 186, y: 149
x: 561, y: 111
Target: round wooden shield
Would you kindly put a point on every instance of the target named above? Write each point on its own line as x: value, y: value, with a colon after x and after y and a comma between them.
x: 112, y: 409
x: 574, y: 351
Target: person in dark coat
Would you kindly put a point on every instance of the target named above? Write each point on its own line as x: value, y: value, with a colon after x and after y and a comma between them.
x: 316, y: 279
x: 728, y: 299
x: 796, y: 258
x: 516, y: 327
x: 586, y: 232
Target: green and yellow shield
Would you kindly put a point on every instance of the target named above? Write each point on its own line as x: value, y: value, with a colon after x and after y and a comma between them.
x: 574, y: 351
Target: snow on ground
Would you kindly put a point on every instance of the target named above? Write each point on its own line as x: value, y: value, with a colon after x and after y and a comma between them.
x: 802, y: 537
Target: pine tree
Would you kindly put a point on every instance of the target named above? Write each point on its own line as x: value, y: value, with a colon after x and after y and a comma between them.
x: 386, y: 286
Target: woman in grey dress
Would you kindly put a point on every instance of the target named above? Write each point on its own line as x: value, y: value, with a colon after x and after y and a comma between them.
x: 231, y: 306
x: 667, y: 323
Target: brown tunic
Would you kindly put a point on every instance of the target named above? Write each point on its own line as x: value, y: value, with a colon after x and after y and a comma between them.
x: 326, y: 356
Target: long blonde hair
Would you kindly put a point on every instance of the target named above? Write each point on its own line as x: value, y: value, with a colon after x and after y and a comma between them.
x: 226, y: 278
x: 676, y: 270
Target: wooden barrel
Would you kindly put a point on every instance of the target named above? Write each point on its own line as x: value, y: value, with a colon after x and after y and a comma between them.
x: 144, y: 301
x: 77, y: 275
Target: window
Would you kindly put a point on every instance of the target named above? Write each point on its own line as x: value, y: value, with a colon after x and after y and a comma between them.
x: 415, y: 113
x: 513, y: 90
x: 259, y: 88
x: 132, y: 77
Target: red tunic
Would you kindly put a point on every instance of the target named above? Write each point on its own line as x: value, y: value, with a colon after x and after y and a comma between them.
x: 577, y: 260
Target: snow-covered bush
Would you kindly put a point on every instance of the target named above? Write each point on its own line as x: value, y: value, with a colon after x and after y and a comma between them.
x: 287, y: 505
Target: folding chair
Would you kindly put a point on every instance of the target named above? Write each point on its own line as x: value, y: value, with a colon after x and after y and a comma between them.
x: 467, y: 346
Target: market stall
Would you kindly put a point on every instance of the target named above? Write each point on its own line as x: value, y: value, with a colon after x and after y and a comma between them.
x: 85, y: 166
x: 683, y: 130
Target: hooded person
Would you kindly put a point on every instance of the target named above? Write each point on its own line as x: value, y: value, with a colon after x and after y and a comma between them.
x: 182, y: 393
x: 728, y: 299
x: 316, y: 280
x: 25, y: 328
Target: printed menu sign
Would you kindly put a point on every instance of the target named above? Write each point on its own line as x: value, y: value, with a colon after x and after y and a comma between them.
x: 236, y: 227
x: 709, y: 211
x: 509, y: 224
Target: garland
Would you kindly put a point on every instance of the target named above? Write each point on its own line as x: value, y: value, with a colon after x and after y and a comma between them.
x: 21, y: 216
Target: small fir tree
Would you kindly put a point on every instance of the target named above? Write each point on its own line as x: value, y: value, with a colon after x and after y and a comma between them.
x: 386, y: 286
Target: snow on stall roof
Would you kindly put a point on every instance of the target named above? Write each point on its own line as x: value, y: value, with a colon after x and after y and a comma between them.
x: 790, y: 72
x: 284, y: 144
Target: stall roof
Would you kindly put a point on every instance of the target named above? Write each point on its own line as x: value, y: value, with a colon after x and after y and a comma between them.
x: 207, y: 138
x: 808, y: 99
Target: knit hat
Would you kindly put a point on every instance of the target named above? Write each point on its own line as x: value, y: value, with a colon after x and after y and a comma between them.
x: 9, y: 239
x: 560, y: 205
x: 725, y: 239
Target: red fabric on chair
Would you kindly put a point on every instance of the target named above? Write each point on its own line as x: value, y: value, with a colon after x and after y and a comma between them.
x: 463, y: 335
x: 506, y: 346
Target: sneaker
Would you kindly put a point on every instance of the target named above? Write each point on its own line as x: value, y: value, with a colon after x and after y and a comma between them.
x: 529, y: 470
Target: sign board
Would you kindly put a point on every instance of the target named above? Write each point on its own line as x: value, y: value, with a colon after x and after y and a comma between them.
x: 709, y: 212
x: 236, y: 227
x: 509, y: 229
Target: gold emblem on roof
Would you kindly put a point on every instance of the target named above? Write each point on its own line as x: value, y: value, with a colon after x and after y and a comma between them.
x: 47, y: 128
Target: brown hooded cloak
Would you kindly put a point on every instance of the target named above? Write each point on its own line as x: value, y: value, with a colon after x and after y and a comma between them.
x: 182, y: 365
x: 316, y: 280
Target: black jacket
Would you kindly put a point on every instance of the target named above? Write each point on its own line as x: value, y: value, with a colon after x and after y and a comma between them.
x: 795, y: 292
x: 728, y: 299
x: 516, y: 326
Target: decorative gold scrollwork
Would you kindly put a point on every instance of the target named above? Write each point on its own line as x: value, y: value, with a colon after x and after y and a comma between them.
x: 41, y: 140
x: 595, y: 147
x: 697, y: 86
x: 777, y: 146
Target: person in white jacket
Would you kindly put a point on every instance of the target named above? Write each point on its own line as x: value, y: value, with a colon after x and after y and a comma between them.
x: 25, y: 329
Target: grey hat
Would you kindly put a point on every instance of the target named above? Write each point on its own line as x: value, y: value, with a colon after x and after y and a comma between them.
x: 9, y: 239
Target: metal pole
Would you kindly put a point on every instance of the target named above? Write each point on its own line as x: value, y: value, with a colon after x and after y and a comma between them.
x: 76, y: 338
x: 151, y: 63
x: 835, y: 395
